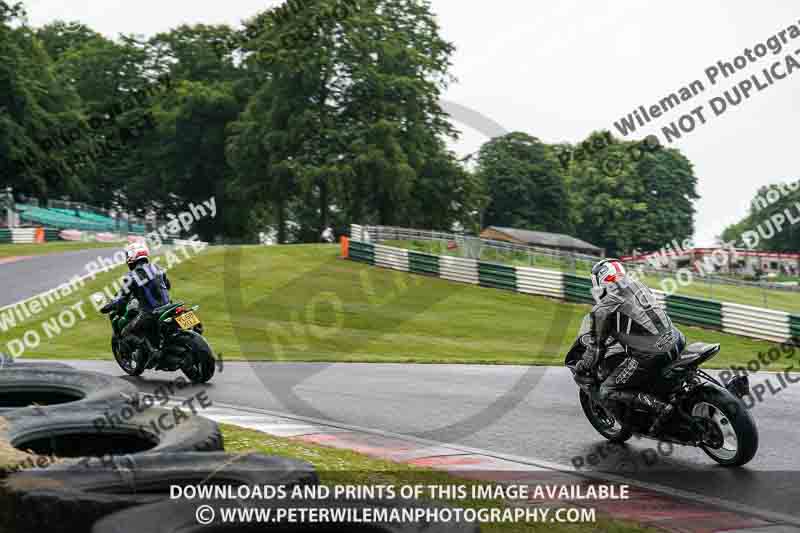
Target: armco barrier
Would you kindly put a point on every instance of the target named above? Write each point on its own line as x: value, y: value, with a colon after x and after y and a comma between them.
x: 695, y: 312
x: 735, y: 319
x: 458, y: 269
x: 23, y: 235
x: 357, y: 233
x: 542, y: 282
x: 497, y: 276
x: 393, y: 258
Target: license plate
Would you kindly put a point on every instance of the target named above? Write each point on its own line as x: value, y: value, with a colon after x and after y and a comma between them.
x: 187, y: 320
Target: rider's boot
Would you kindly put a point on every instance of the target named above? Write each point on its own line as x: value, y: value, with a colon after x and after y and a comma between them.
x: 152, y: 350
x: 136, y: 349
x: 661, y: 410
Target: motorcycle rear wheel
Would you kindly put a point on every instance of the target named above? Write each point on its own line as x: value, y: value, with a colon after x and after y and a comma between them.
x: 604, y: 422
x: 201, y: 365
x: 733, y: 434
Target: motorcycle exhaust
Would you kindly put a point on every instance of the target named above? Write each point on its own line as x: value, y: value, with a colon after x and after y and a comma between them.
x: 739, y: 386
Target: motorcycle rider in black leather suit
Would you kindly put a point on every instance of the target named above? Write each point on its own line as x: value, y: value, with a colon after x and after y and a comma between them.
x: 150, y: 286
x: 628, y: 313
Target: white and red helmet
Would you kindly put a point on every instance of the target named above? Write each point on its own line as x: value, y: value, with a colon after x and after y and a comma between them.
x: 606, y: 273
x: 135, y: 252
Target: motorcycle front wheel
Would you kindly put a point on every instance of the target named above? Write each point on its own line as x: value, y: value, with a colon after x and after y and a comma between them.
x: 604, y: 422
x: 124, y: 360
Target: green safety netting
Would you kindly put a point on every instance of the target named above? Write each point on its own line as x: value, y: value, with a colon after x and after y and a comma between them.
x: 72, y: 219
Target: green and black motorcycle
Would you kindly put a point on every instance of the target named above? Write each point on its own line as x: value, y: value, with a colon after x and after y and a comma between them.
x: 178, y: 343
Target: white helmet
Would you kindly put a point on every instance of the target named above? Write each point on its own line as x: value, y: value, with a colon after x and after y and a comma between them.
x: 135, y: 252
x: 606, y: 273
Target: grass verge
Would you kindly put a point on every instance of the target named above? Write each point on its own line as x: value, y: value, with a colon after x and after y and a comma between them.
x: 14, y: 250
x: 346, y: 467
x: 302, y: 303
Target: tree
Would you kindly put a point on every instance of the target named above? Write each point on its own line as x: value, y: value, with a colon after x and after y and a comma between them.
x: 396, y: 66
x: 34, y: 109
x: 261, y: 147
x: 626, y: 198
x: 773, y: 214
x: 196, y: 53
x: 59, y: 37
x: 525, y: 186
x: 347, y: 114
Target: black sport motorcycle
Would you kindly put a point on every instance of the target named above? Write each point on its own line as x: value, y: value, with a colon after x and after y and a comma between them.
x: 178, y: 343
x: 707, y: 414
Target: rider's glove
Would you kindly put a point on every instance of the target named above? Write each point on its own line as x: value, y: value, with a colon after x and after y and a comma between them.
x: 587, y: 363
x: 107, y: 308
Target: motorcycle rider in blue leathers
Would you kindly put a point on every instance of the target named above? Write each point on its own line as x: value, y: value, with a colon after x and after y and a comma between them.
x: 149, y: 285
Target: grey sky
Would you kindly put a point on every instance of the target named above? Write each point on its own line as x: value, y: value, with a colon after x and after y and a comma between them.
x: 561, y: 71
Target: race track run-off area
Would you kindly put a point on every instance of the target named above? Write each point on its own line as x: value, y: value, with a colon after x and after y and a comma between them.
x: 495, y: 417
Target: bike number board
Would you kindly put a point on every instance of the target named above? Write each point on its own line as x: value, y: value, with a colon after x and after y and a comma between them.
x: 187, y: 320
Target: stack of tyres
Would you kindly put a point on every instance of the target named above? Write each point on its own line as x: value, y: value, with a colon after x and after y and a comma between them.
x: 87, y: 492
x: 50, y: 385
x: 62, y: 471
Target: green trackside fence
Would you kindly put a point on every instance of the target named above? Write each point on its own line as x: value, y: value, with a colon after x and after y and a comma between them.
x: 794, y: 327
x: 736, y: 319
x: 425, y: 264
x: 578, y: 289
x: 497, y: 276
x: 51, y: 234
x: 362, y: 252
x: 5, y: 236
x: 695, y: 312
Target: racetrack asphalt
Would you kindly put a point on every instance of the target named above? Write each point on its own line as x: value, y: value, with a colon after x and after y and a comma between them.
x: 29, y: 277
x: 477, y: 406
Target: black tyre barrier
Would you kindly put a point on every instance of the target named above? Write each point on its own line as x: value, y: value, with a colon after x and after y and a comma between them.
x: 182, y: 516
x: 77, y: 433
x: 66, y: 498
x: 22, y: 385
